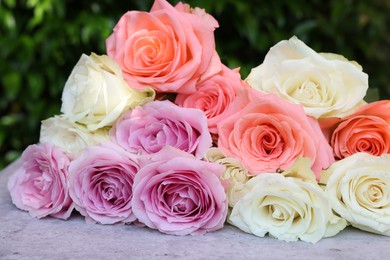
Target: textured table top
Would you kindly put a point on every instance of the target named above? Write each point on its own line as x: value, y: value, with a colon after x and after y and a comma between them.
x: 24, y: 237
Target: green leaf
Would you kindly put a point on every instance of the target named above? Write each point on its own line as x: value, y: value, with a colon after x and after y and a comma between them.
x: 12, y: 83
x: 36, y: 85
x: 10, y: 3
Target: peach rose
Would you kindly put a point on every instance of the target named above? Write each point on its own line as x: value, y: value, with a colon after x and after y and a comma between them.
x: 267, y: 134
x: 169, y: 48
x: 207, y: 18
x: 367, y: 130
x: 214, y: 95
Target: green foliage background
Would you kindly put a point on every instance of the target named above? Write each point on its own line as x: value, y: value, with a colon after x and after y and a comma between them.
x: 41, y: 41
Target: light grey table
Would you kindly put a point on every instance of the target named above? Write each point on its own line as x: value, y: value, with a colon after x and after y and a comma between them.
x: 24, y: 237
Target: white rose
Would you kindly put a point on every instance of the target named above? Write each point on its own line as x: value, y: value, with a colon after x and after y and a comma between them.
x: 327, y: 85
x: 286, y: 208
x: 72, y: 138
x: 358, y: 188
x: 96, y: 94
x: 234, y: 174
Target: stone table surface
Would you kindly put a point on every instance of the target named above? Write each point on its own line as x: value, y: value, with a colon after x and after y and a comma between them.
x: 24, y: 237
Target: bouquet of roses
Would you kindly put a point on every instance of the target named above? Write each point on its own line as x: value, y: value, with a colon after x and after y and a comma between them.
x: 159, y: 132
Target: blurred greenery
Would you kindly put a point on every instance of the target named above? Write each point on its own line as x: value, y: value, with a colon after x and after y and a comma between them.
x: 41, y: 41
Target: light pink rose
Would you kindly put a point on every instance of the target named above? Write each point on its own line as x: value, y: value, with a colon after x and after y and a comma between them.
x: 267, y: 134
x: 179, y: 194
x: 147, y: 129
x: 168, y: 48
x: 367, y: 130
x: 101, y: 181
x: 213, y: 95
x: 40, y: 186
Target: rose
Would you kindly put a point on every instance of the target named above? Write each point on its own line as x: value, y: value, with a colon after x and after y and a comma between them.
x: 213, y: 95
x: 267, y: 134
x: 358, y: 187
x: 286, y: 208
x: 101, y: 181
x: 96, y: 94
x: 207, y: 18
x: 179, y: 194
x: 39, y: 185
x: 169, y: 48
x: 71, y: 137
x: 327, y: 85
x: 367, y: 130
x: 235, y: 175
x: 147, y: 129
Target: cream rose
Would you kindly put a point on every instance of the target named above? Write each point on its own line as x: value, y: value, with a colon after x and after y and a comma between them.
x: 234, y: 174
x: 327, y: 85
x: 72, y: 138
x: 358, y: 188
x: 96, y: 94
x: 287, y: 208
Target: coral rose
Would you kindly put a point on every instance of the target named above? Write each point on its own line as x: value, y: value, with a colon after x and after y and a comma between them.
x: 367, y: 130
x: 267, y: 134
x: 168, y: 49
x: 214, y: 95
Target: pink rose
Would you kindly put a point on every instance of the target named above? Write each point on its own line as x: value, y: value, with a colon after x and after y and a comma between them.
x: 147, y: 129
x: 39, y: 186
x: 168, y: 49
x: 179, y: 194
x: 101, y: 181
x: 213, y: 95
x: 367, y: 130
x: 267, y: 134
x: 207, y: 18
